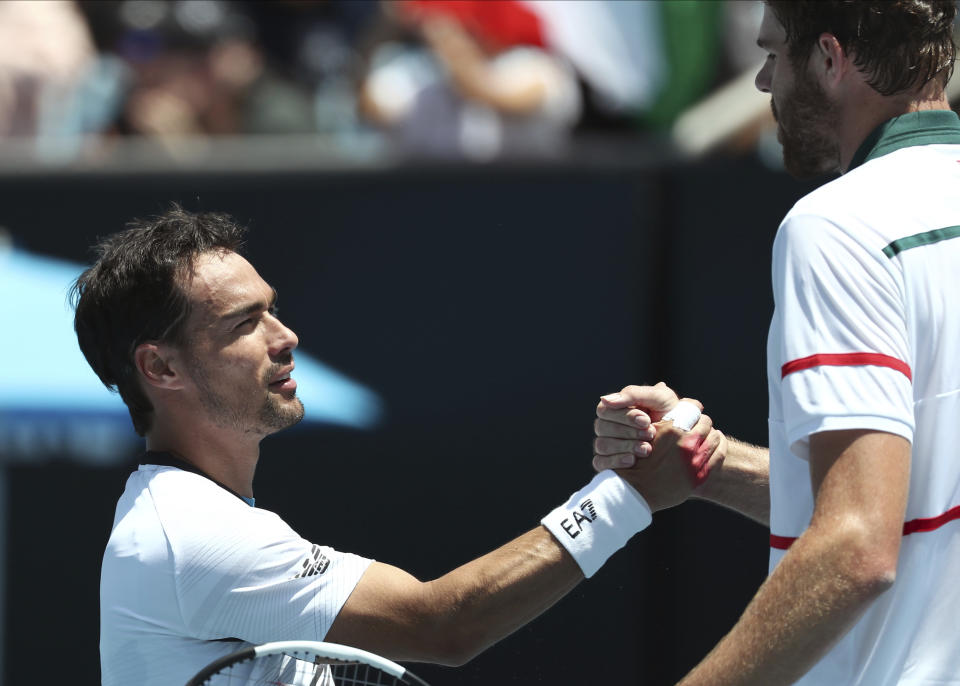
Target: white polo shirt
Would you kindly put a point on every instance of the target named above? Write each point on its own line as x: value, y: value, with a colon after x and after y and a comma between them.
x: 866, y: 335
x: 192, y: 573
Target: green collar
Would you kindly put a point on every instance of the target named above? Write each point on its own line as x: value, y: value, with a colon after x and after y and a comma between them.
x: 928, y: 127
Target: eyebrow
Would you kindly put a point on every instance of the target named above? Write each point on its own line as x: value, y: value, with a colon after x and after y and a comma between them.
x: 253, y: 307
x: 765, y: 43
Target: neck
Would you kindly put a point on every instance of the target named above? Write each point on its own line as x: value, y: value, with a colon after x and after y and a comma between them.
x: 221, y: 454
x: 868, y: 110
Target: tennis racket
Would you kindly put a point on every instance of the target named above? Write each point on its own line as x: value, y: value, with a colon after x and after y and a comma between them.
x: 303, y: 663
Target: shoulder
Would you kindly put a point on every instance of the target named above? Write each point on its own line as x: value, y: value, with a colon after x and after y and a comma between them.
x: 174, y: 487
x: 859, y: 213
x: 877, y: 199
x: 197, y: 514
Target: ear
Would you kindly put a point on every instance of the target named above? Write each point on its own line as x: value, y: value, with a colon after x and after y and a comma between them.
x: 157, y: 367
x: 830, y: 61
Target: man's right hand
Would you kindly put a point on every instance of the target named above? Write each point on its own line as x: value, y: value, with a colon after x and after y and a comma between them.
x: 624, y: 426
x: 679, y: 463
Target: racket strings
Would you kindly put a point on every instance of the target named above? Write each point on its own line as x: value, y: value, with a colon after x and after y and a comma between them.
x: 299, y: 672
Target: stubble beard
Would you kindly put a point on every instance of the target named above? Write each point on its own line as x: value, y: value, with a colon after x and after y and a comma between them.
x: 243, y: 414
x: 805, y: 121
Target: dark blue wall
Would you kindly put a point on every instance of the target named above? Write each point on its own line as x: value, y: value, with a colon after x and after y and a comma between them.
x: 489, y: 307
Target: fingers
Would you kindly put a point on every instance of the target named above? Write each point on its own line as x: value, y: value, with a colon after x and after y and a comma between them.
x: 619, y: 461
x: 632, y: 416
x: 625, y: 432
x: 618, y: 445
x: 703, y: 444
x: 637, y: 430
x: 710, y: 456
x: 693, y: 439
x: 659, y: 398
x: 704, y: 425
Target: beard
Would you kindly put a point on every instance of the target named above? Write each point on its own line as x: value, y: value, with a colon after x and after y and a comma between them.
x: 244, y: 411
x: 805, y: 118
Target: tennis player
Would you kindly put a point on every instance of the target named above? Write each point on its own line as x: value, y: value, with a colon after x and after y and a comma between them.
x: 863, y: 363
x: 187, y: 331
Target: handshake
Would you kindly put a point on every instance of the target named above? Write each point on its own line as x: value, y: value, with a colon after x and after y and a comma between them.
x: 661, y: 445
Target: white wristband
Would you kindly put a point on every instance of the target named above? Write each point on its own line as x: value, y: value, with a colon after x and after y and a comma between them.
x: 598, y: 520
x: 684, y: 414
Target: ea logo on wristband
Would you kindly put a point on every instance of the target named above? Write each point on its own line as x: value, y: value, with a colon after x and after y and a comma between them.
x: 588, y: 513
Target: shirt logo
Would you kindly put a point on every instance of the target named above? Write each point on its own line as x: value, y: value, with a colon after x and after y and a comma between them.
x: 573, y: 525
x: 316, y: 563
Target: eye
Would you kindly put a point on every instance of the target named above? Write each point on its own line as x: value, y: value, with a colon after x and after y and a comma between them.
x: 245, y: 322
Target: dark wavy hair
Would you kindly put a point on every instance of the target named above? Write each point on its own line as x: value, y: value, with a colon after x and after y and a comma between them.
x: 900, y: 44
x: 134, y: 293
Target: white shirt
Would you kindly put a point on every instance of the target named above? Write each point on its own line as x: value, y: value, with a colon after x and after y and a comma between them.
x: 189, y: 566
x: 866, y: 335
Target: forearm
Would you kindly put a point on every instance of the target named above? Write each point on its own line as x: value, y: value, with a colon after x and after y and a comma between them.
x: 451, y: 619
x: 482, y: 601
x: 470, y: 71
x: 489, y: 598
x: 815, y: 595
x: 847, y: 556
x: 742, y: 482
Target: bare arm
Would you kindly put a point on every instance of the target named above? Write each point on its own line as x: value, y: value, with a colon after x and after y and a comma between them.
x: 469, y: 70
x: 742, y: 482
x: 831, y: 574
x: 451, y: 619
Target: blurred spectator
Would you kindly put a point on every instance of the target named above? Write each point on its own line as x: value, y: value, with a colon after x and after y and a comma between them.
x: 45, y: 49
x: 447, y: 78
x: 495, y: 76
x: 196, y: 68
x: 480, y: 84
x: 169, y: 69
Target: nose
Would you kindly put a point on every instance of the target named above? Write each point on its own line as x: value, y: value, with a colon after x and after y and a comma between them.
x: 762, y: 80
x: 283, y: 339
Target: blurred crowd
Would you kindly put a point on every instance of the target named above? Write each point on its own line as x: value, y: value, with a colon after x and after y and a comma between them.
x: 445, y: 78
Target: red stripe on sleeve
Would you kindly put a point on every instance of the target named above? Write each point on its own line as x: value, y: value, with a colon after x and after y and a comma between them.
x: 931, y: 523
x: 781, y: 542
x: 846, y: 360
x: 912, y: 527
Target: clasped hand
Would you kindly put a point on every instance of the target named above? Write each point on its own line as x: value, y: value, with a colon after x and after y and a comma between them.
x: 664, y: 463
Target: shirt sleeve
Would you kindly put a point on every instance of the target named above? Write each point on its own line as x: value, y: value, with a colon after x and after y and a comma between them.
x: 845, y: 353
x: 249, y: 576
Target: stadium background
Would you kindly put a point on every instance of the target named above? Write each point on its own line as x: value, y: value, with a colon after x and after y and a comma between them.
x: 487, y: 298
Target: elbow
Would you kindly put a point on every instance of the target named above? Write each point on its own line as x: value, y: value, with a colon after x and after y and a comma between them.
x: 454, y: 644
x: 459, y: 650
x: 448, y: 648
x: 869, y: 582
x: 869, y: 562
x: 450, y: 634
x: 457, y: 656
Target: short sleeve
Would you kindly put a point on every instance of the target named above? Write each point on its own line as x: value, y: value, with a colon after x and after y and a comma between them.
x: 243, y: 573
x: 845, y: 353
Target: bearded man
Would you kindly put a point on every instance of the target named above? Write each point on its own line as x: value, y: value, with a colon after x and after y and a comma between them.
x: 861, y: 484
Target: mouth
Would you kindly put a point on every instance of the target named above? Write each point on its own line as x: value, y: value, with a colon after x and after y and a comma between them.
x: 283, y: 382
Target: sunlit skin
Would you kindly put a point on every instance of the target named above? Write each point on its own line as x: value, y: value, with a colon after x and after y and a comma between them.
x: 849, y: 554
x: 216, y: 396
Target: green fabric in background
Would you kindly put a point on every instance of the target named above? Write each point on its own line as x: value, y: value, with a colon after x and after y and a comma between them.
x: 691, y: 43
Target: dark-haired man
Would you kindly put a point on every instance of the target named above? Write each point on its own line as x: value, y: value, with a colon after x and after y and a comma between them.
x: 864, y: 375
x: 175, y: 318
